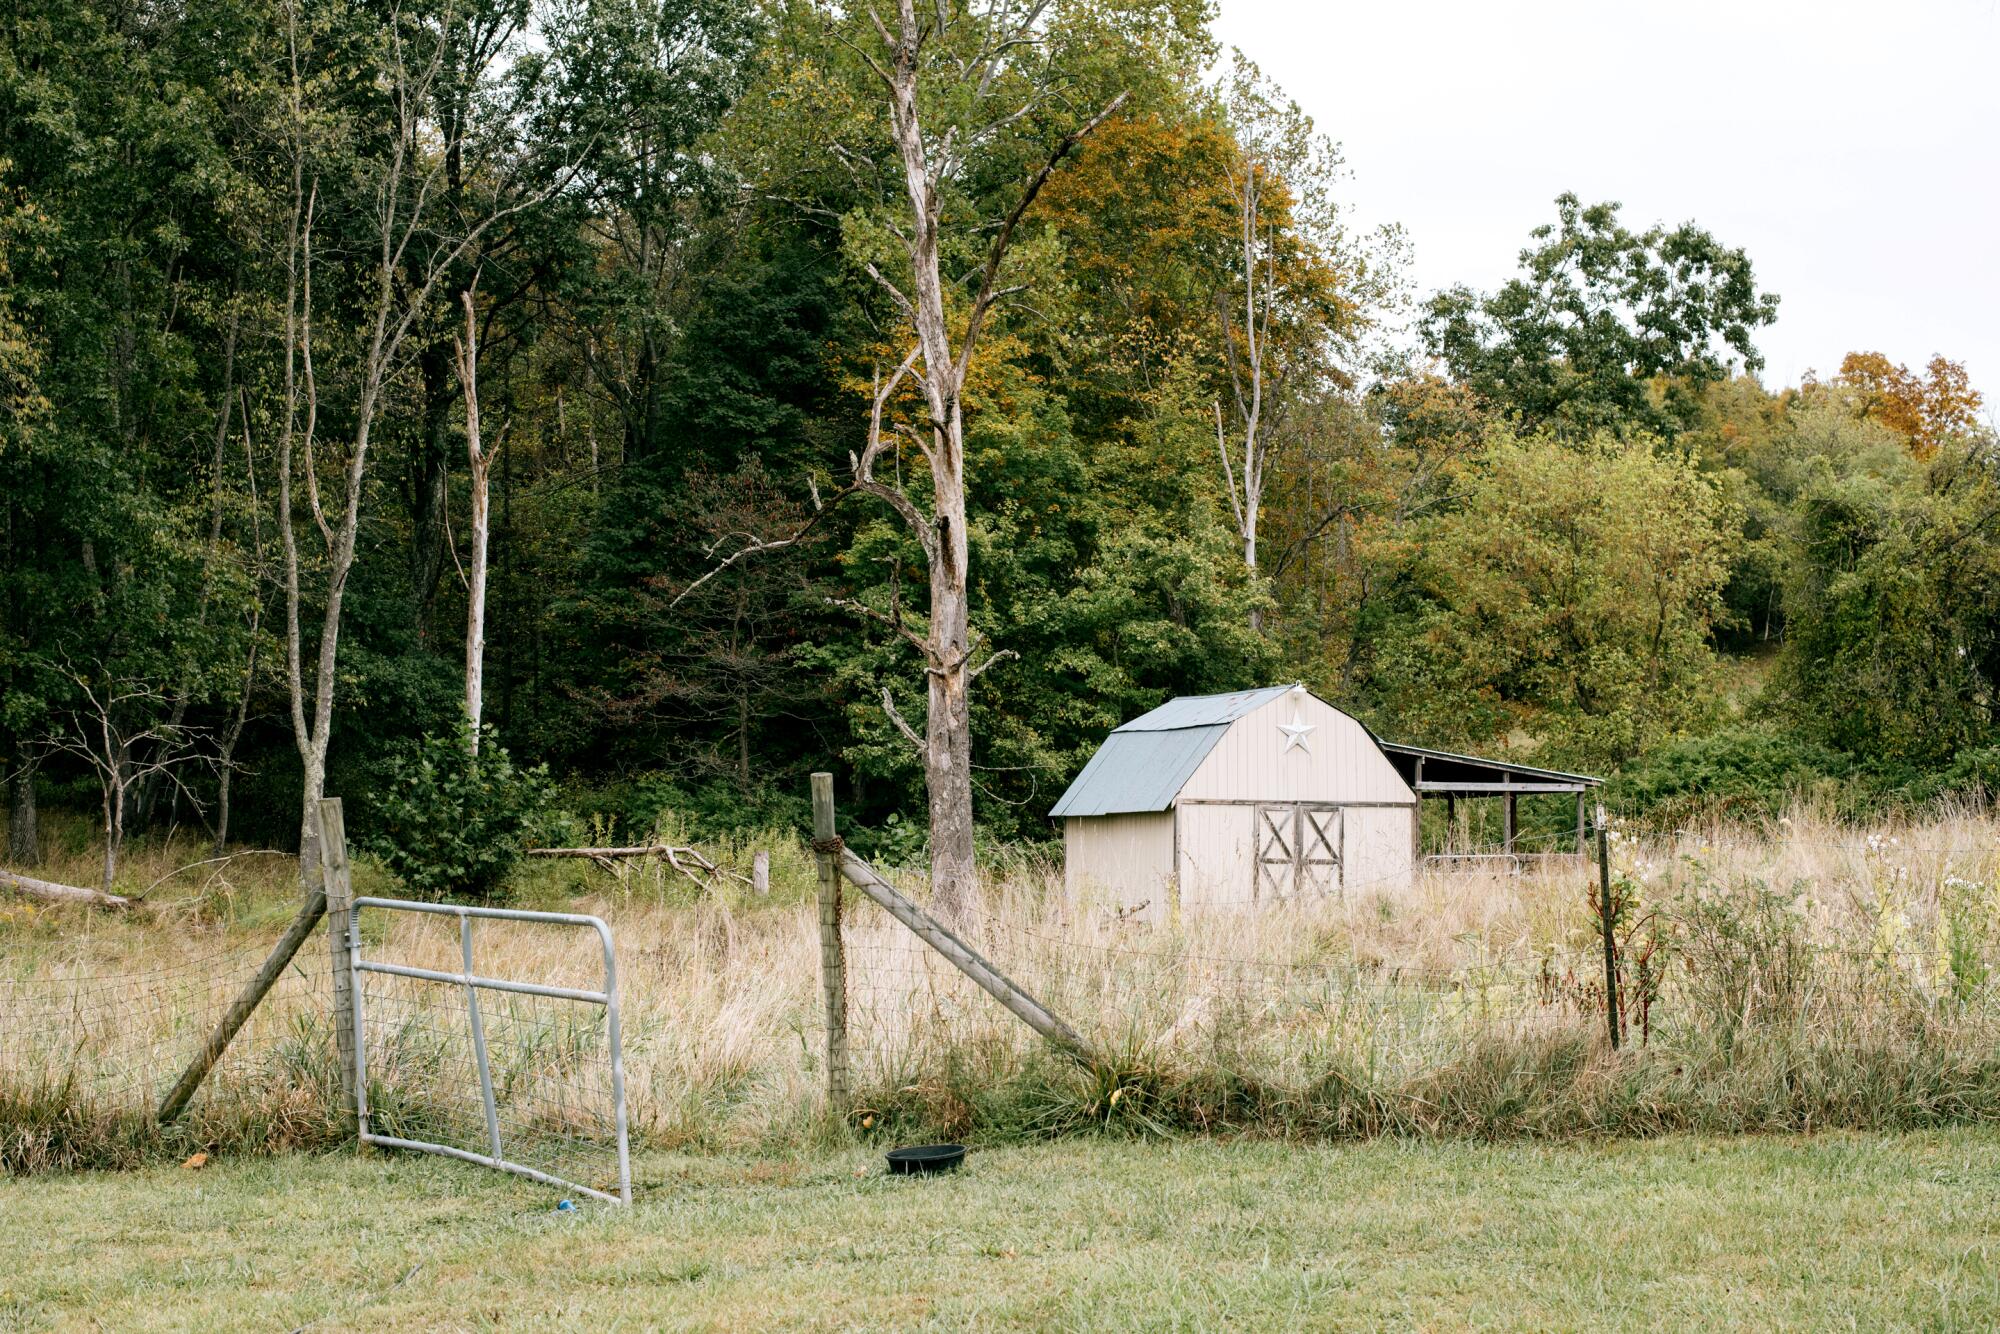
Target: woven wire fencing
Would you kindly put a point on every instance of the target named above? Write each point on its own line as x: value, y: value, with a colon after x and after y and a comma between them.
x: 1273, y: 992
x: 548, y: 1058
x: 1742, y: 957
x: 96, y: 1026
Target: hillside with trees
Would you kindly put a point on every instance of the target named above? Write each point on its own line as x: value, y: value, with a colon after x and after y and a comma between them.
x: 624, y: 405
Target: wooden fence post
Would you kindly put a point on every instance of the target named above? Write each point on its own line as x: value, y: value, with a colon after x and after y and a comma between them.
x: 337, y: 877
x: 832, y: 959
x: 760, y: 872
x: 1604, y: 913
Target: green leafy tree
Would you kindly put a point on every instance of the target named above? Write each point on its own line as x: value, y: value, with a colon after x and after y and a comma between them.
x: 1571, y: 597
x: 1892, y: 604
x: 1598, y: 314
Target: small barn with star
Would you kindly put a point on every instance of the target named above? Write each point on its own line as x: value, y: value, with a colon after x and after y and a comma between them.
x: 1213, y: 800
x: 1263, y: 796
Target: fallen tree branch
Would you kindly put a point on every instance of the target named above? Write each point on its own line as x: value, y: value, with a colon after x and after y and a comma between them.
x: 209, y: 861
x: 703, y: 870
x: 51, y: 892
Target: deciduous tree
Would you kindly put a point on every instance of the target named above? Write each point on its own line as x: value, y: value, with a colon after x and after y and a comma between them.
x: 1599, y: 312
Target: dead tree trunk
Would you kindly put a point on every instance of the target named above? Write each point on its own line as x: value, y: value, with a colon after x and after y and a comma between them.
x: 50, y: 891
x: 24, y: 844
x: 1247, y: 379
x: 940, y: 368
x: 478, y: 462
x: 226, y: 754
x: 977, y: 54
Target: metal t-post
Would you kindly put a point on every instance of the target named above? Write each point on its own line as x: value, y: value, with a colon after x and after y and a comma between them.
x: 1605, y: 916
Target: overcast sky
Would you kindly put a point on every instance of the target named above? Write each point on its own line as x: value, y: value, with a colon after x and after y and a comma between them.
x: 1852, y: 149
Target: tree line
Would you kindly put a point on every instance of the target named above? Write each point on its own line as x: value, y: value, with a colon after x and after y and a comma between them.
x: 686, y: 394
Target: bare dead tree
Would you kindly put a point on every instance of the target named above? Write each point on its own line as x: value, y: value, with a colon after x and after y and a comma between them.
x: 478, y: 463
x: 233, y: 732
x: 912, y: 55
x: 1248, y: 366
x: 124, y: 730
x: 406, y: 210
x: 1279, y: 187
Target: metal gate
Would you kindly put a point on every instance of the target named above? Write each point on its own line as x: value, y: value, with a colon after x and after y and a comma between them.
x: 1299, y: 851
x: 559, y: 1093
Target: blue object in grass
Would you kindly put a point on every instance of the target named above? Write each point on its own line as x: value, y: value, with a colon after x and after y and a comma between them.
x: 566, y: 1206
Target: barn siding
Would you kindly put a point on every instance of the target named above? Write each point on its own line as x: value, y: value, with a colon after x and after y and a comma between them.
x: 1217, y: 856
x: 1125, y: 859
x: 1342, y: 763
x: 1380, y: 858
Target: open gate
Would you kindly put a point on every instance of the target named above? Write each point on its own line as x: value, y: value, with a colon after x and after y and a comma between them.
x: 525, y: 1076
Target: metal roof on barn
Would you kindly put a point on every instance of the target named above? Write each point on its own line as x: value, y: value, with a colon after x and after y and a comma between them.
x: 1143, y: 765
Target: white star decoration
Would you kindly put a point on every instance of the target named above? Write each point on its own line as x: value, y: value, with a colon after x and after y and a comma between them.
x: 1296, y: 732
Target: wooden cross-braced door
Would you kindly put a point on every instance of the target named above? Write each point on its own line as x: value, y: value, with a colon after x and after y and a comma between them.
x: 1277, y: 852
x: 1320, y: 843
x: 1299, y: 851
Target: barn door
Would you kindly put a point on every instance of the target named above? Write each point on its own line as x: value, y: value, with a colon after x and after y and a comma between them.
x: 1277, y: 856
x: 1319, y: 851
x: 1298, y: 851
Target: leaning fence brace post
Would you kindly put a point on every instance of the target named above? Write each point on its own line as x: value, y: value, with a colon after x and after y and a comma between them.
x: 967, y: 960
x: 1604, y: 913
x: 337, y: 878
x: 832, y: 958
x: 240, y: 1009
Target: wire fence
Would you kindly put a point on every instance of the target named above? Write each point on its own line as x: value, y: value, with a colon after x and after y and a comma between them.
x: 103, y: 1024
x: 1891, y: 933
x: 1241, y: 985
x: 1833, y: 936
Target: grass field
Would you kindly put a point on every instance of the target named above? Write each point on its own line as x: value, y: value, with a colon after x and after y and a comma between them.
x: 1824, y: 1231
x: 1805, y: 975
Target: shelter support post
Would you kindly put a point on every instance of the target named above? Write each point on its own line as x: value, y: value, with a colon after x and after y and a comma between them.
x: 1417, y: 815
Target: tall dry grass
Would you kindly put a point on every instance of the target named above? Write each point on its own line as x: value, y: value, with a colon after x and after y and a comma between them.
x: 1807, y: 973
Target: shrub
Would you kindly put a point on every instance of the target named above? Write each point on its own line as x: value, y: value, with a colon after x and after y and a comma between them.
x: 1730, y: 770
x: 649, y: 806
x: 445, y: 822
x: 1746, y: 955
x: 1973, y: 773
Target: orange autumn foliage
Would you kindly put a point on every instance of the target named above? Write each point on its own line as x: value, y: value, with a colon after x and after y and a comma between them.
x: 1926, y: 410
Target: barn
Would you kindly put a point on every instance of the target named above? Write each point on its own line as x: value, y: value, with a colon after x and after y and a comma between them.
x: 1260, y: 796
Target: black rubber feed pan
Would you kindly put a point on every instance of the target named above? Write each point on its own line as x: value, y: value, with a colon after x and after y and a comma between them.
x: 922, y: 1158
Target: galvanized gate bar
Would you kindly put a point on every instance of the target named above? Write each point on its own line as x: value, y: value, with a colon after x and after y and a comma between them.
x: 479, y: 1039
x: 484, y: 983
x: 474, y: 983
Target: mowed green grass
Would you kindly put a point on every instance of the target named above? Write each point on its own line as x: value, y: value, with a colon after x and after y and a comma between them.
x: 1830, y: 1231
